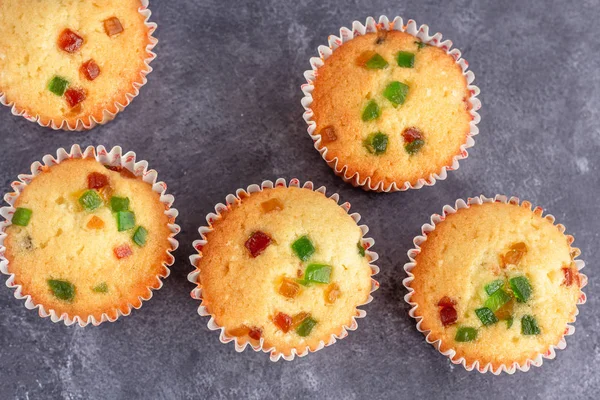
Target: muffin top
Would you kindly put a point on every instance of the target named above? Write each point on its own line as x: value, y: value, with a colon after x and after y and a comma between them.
x: 66, y: 60
x: 86, y: 240
x: 285, y: 265
x: 391, y: 108
x: 497, y: 283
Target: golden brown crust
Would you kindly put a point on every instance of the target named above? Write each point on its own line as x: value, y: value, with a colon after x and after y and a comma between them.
x: 27, y: 72
x: 60, y: 245
x: 464, y: 253
x: 239, y: 290
x: 437, y: 104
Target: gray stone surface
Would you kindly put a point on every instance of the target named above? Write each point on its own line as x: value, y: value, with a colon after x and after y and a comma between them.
x: 222, y: 110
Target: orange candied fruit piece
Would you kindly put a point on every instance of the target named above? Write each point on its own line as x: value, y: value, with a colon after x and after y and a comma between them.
x: 255, y: 333
x: 328, y: 134
x: 365, y: 56
x: 515, y: 254
x: 113, y: 26
x: 69, y: 41
x: 506, y: 311
x: 283, y: 322
x: 271, y: 205
x: 299, y: 318
x: 74, y: 96
x: 123, y: 251
x: 90, y: 70
x: 332, y: 293
x: 289, y: 288
x: 95, y: 223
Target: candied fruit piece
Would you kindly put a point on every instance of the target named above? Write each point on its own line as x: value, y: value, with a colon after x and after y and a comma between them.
x: 332, y: 293
x: 90, y: 70
x: 95, y: 223
x: 289, y: 288
x: 497, y: 300
x: 486, y: 316
x: 411, y: 134
x: 317, y: 273
x: 405, y: 59
x: 521, y: 288
x: 74, y: 96
x: 283, y: 322
x: 69, y: 41
x: 299, y: 318
x: 58, y: 85
x: 106, y: 193
x: 97, y: 180
x: 396, y: 93
x: 448, y: 315
x: 571, y: 276
x: 140, y: 236
x: 119, y: 203
x: 465, y: 334
x: 506, y: 311
x: 63, y: 290
x: 113, y: 26
x: 122, y: 251
x: 371, y: 60
x: 515, y: 254
x: 446, y: 302
x: 376, y: 143
x: 529, y: 326
x: 90, y: 200
x: 100, y: 288
x: 371, y: 111
x: 239, y: 331
x: 303, y: 248
x: 21, y: 216
x: 306, y: 326
x: 257, y: 243
x: 255, y: 333
x: 273, y: 204
x: 125, y: 220
x: 328, y: 134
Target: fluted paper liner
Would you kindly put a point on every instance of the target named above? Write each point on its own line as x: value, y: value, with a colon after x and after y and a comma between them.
x: 242, y: 343
x: 451, y: 353
x: 420, y: 32
x: 114, y: 157
x: 109, y: 113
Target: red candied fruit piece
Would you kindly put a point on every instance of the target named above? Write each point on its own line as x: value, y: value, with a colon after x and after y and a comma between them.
x: 448, y: 315
x: 97, y: 180
x: 446, y: 302
x: 412, y: 134
x: 112, y: 26
x: 69, y: 41
x: 123, y: 251
x: 257, y: 243
x: 74, y: 96
x: 255, y: 333
x: 571, y: 276
x: 90, y: 70
x: 283, y: 322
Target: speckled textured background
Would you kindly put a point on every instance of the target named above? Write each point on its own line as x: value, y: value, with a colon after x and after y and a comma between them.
x: 222, y: 110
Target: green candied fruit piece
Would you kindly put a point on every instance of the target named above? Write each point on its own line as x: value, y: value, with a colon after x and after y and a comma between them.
x: 376, y: 62
x: 406, y: 59
x: 119, y: 203
x: 361, y: 249
x: 317, y: 273
x: 396, y: 92
x: 420, y: 44
x: 140, y: 235
x: 414, y: 146
x: 486, y: 316
x: 21, y: 216
x: 58, y: 85
x: 509, y: 322
x: 90, y: 200
x: 497, y: 300
x: 125, y: 220
x: 529, y: 326
x: 376, y: 143
x: 101, y: 288
x: 521, y: 288
x: 306, y: 326
x: 63, y: 290
x: 303, y: 248
x: 493, y: 286
x: 371, y: 111
x: 465, y: 334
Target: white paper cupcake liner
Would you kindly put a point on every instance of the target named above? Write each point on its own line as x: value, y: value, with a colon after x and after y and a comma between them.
x: 451, y: 354
x: 89, y: 122
x: 241, y: 344
x: 114, y: 157
x: 420, y: 32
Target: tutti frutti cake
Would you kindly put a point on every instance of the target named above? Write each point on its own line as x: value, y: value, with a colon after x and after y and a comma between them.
x: 67, y: 61
x: 284, y: 266
x: 88, y: 240
x: 390, y: 108
x: 497, y: 283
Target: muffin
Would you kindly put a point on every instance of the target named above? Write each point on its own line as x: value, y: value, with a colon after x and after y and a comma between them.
x: 283, y: 269
x: 88, y: 241
x: 70, y: 64
x: 390, y: 110
x: 494, y: 285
